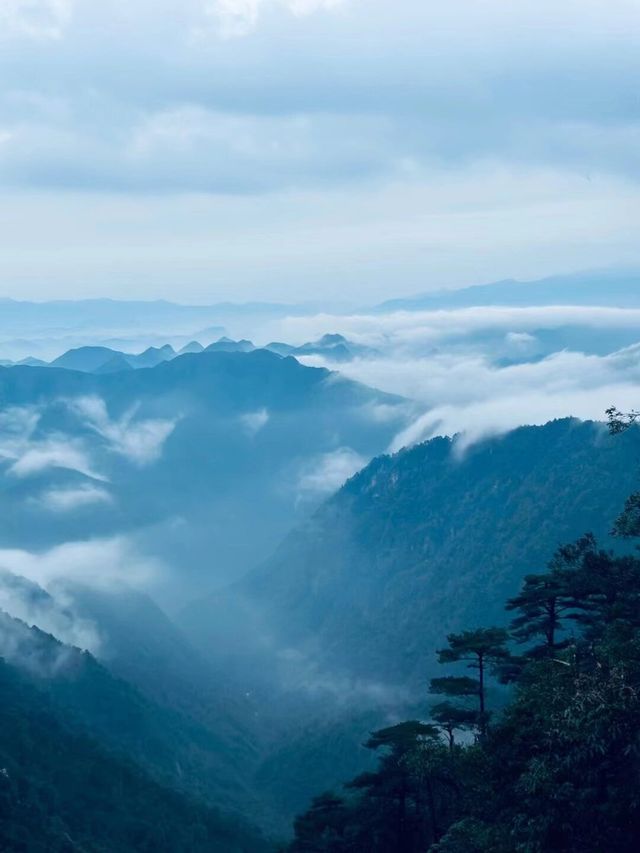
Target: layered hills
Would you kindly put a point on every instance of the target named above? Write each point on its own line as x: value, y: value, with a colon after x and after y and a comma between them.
x: 228, y: 446
x: 420, y: 544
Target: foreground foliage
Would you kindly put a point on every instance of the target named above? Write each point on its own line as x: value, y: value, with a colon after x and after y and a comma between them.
x: 557, y: 769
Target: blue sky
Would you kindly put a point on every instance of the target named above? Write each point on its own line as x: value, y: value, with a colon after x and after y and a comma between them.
x: 313, y: 149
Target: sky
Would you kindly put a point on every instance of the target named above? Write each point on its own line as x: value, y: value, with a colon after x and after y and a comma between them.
x: 294, y: 150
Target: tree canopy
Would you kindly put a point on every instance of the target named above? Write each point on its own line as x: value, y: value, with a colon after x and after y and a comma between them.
x: 557, y: 768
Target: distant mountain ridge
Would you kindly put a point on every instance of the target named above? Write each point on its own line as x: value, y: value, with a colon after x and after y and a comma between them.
x: 102, y: 359
x: 605, y: 289
x: 333, y: 346
x: 43, y: 331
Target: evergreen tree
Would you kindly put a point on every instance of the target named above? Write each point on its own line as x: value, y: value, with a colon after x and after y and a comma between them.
x: 606, y: 591
x: 627, y: 525
x: 543, y: 601
x: 480, y: 649
x: 321, y: 829
x: 452, y: 718
x: 621, y: 421
x: 559, y: 770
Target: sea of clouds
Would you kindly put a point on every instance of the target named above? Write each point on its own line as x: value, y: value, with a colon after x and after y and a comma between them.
x: 481, y: 371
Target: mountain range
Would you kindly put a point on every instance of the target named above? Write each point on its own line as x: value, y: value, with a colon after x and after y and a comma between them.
x: 618, y: 288
x: 256, y: 582
x: 416, y: 546
x: 102, y: 359
x: 262, y: 694
x: 42, y: 331
x: 205, y: 460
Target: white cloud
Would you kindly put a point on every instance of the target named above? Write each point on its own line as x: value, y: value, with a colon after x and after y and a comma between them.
x: 233, y: 18
x: 30, y: 454
x: 325, y: 235
x: 476, y: 421
x: 253, y: 422
x: 94, y: 562
x: 460, y: 378
x: 328, y: 471
x: 387, y: 101
x: 52, y: 452
x: 307, y: 7
x: 479, y: 371
x: 385, y: 413
x: 237, y: 18
x: 520, y: 338
x: 408, y: 329
x: 18, y: 421
x: 21, y: 647
x: 71, y: 499
x: 37, y: 19
x: 471, y: 396
x: 29, y: 603
x: 37, y: 588
x: 140, y: 441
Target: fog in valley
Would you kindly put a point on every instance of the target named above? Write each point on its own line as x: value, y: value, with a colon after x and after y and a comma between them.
x: 319, y: 426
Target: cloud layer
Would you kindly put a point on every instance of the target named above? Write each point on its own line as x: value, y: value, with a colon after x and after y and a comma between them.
x: 325, y: 474
x: 35, y: 19
x: 227, y: 141
x: 29, y: 450
x: 54, y: 615
x: 315, y: 88
x: 29, y: 453
x: 140, y: 440
x: 95, y: 562
x: 36, y: 587
x: 237, y: 18
x: 68, y: 500
x: 480, y: 371
x: 407, y: 329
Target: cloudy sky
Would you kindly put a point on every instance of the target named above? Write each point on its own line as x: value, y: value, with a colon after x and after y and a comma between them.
x: 313, y: 149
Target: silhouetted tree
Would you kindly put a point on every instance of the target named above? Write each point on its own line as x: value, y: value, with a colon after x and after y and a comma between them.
x: 621, y: 421
x: 543, y: 601
x: 452, y: 718
x: 559, y: 770
x: 396, y: 786
x: 321, y: 829
x: 481, y: 649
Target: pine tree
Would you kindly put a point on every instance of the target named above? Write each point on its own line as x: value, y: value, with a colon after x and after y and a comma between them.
x: 452, y: 718
x: 627, y: 525
x: 543, y: 602
x: 413, y: 753
x: 481, y: 649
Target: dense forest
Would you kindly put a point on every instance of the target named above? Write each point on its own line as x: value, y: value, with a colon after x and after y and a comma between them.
x: 62, y: 791
x: 533, y: 738
x: 412, y: 547
x: 87, y: 763
x: 409, y: 550
x: 527, y: 739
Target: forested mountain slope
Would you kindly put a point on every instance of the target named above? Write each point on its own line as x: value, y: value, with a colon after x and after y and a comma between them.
x: 423, y: 543
x: 88, y: 764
